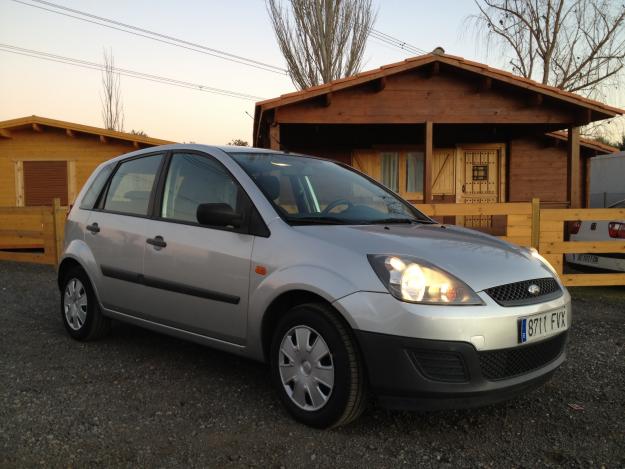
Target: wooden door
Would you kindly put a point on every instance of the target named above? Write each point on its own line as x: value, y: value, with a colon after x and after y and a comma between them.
x: 480, y: 182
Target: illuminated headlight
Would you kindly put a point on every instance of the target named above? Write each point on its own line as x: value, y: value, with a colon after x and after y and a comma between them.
x: 417, y: 281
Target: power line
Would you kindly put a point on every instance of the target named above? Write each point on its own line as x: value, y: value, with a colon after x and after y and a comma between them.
x: 153, y: 35
x: 125, y: 72
x: 156, y: 36
x: 393, y: 41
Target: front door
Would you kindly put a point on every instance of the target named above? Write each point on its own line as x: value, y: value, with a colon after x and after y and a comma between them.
x: 197, y: 277
x: 479, y: 177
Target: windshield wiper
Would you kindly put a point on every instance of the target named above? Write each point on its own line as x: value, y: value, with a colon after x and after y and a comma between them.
x: 317, y: 221
x: 388, y: 221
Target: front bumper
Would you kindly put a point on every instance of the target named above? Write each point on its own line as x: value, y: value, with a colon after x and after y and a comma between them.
x: 487, y: 327
x: 421, y: 374
x: 428, y: 357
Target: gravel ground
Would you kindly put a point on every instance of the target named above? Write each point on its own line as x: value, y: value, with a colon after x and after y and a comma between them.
x: 138, y: 398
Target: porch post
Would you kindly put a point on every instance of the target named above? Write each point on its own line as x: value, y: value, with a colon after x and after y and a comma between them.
x: 274, y: 136
x: 427, y: 163
x: 573, y: 168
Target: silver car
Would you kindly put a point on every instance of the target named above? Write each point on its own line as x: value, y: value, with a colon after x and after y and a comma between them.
x: 342, y: 287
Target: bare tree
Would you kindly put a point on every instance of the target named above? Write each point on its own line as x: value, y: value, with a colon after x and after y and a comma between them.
x: 321, y: 40
x: 112, y: 106
x: 575, y: 45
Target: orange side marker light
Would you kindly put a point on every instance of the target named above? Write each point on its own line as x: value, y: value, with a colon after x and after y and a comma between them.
x: 261, y: 270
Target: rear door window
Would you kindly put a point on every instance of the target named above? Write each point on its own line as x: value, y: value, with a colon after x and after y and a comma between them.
x: 91, y: 196
x: 131, y: 186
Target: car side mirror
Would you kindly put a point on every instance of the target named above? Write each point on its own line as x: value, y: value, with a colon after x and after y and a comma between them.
x: 218, y: 215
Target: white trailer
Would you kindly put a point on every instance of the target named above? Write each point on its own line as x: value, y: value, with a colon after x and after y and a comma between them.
x: 607, y: 180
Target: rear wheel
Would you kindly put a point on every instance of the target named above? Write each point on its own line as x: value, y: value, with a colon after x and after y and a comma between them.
x: 316, y: 367
x: 80, y: 311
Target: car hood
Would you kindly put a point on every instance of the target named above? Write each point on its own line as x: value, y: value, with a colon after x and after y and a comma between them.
x: 480, y: 260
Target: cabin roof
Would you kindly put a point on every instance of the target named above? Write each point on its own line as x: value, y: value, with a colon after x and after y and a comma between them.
x: 586, y: 142
x: 451, y: 60
x: 29, y: 121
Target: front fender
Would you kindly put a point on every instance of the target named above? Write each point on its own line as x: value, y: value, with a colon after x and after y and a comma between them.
x: 311, y: 278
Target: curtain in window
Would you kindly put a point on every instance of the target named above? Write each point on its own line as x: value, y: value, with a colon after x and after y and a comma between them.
x: 390, y: 170
x: 414, y: 171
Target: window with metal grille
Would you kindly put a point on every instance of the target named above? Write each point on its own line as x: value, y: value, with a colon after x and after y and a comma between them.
x: 480, y: 172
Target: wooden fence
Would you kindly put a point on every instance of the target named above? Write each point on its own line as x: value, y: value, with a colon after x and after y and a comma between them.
x: 552, y: 245
x: 32, y: 234
x: 35, y: 234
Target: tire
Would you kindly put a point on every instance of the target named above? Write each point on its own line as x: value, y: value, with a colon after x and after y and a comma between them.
x: 80, y: 310
x: 301, y: 373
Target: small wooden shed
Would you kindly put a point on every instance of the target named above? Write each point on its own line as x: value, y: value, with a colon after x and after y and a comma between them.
x: 42, y: 159
x: 438, y: 128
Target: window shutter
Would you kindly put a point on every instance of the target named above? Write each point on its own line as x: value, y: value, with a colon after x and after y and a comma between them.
x: 44, y: 181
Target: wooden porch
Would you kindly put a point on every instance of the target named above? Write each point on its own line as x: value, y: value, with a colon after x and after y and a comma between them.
x: 438, y: 128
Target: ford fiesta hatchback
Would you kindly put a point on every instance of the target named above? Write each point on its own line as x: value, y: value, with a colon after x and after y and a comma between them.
x: 342, y: 287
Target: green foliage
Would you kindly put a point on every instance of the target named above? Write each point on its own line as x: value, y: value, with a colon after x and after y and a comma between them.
x: 238, y: 142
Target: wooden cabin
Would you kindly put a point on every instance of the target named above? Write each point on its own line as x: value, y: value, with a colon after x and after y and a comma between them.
x: 438, y: 128
x: 42, y: 159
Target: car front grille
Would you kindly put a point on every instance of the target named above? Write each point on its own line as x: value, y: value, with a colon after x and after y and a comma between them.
x: 518, y: 294
x: 502, y: 364
x: 440, y: 365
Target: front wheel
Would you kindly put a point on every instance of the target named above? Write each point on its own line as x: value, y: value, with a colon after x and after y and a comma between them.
x: 316, y: 367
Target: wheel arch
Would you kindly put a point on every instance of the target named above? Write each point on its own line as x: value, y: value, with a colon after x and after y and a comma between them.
x: 78, y: 254
x: 282, y: 304
x: 64, y: 266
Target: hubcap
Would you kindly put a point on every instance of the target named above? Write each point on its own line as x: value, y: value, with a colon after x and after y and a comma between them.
x: 75, y: 304
x: 306, y: 368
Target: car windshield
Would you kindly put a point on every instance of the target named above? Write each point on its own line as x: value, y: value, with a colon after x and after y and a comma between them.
x: 309, y: 190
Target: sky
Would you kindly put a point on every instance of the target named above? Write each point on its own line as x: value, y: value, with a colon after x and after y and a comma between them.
x: 242, y: 27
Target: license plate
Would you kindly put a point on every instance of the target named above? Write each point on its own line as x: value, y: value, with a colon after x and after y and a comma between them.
x: 587, y: 258
x: 540, y: 325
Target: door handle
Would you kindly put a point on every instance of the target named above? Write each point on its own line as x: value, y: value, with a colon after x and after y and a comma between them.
x: 157, y: 242
x: 94, y: 228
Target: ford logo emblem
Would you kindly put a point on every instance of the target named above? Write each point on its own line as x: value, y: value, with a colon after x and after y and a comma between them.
x: 533, y: 289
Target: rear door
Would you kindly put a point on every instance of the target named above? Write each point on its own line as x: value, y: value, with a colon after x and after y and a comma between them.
x: 116, y: 233
x: 197, y: 276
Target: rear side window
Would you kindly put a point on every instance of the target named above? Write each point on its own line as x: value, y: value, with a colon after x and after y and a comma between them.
x: 91, y: 196
x: 193, y: 180
x: 131, y: 186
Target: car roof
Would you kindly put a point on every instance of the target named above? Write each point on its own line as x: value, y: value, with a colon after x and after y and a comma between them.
x: 193, y: 146
x: 228, y: 149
